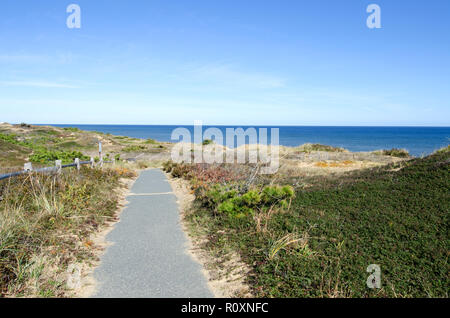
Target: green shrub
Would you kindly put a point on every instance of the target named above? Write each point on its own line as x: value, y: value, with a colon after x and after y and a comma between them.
x: 394, y: 152
x: 215, y: 195
x: 207, y: 142
x: 13, y: 139
x: 271, y: 197
x: 72, y: 129
x: 45, y: 156
x: 235, y: 208
x: 276, y: 194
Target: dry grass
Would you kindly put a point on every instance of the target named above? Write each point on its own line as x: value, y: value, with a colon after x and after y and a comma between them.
x: 45, y: 224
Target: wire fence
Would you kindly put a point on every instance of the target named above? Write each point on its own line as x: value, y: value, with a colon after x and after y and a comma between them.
x: 28, y: 167
x: 54, y: 169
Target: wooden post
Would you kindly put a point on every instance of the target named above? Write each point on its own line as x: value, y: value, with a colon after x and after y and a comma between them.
x: 58, y: 165
x: 100, y: 154
x: 92, y: 162
x: 77, y: 162
x: 28, y: 167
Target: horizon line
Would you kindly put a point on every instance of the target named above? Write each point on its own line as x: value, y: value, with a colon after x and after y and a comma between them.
x: 246, y: 125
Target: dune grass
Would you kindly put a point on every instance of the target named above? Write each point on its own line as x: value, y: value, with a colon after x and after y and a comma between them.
x: 45, y: 224
x: 308, y: 147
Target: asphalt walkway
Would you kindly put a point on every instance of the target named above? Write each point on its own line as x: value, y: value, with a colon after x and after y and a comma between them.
x: 148, y: 257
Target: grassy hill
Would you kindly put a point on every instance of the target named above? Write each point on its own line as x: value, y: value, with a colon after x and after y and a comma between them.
x: 44, y: 144
x: 12, y: 154
x: 395, y: 216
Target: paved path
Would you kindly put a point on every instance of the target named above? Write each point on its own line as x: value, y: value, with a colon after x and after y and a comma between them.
x: 148, y: 256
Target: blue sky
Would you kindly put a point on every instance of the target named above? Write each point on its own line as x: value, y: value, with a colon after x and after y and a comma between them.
x: 225, y: 62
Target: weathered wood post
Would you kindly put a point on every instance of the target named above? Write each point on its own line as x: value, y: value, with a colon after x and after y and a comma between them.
x: 58, y: 165
x: 77, y: 162
x: 100, y: 154
x: 92, y: 162
x: 28, y: 167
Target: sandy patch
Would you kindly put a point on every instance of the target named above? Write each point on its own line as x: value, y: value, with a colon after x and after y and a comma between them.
x: 225, y: 280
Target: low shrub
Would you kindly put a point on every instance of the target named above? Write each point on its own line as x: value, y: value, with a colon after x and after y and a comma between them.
x: 319, y: 147
x: 394, y: 152
x: 207, y: 142
x: 72, y: 129
x: 167, y: 166
x: 46, y: 156
x: 14, y: 139
x: 232, y: 200
x: 181, y: 171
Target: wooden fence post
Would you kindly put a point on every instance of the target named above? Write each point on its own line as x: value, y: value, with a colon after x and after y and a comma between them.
x: 92, y: 162
x: 58, y: 165
x: 100, y: 153
x: 28, y: 167
x: 77, y: 162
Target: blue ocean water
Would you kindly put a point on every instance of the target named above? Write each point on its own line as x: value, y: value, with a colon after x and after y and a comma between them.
x: 417, y: 140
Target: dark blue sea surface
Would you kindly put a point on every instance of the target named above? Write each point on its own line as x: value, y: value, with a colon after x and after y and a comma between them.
x: 417, y: 140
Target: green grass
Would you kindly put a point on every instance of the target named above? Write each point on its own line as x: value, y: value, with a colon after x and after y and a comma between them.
x: 39, y: 149
x: 13, y: 154
x: 69, y: 145
x: 395, y: 216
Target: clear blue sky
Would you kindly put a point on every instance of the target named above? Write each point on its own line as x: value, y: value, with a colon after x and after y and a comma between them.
x: 225, y: 62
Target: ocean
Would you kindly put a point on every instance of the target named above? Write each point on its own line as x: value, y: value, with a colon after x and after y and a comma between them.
x: 417, y: 140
